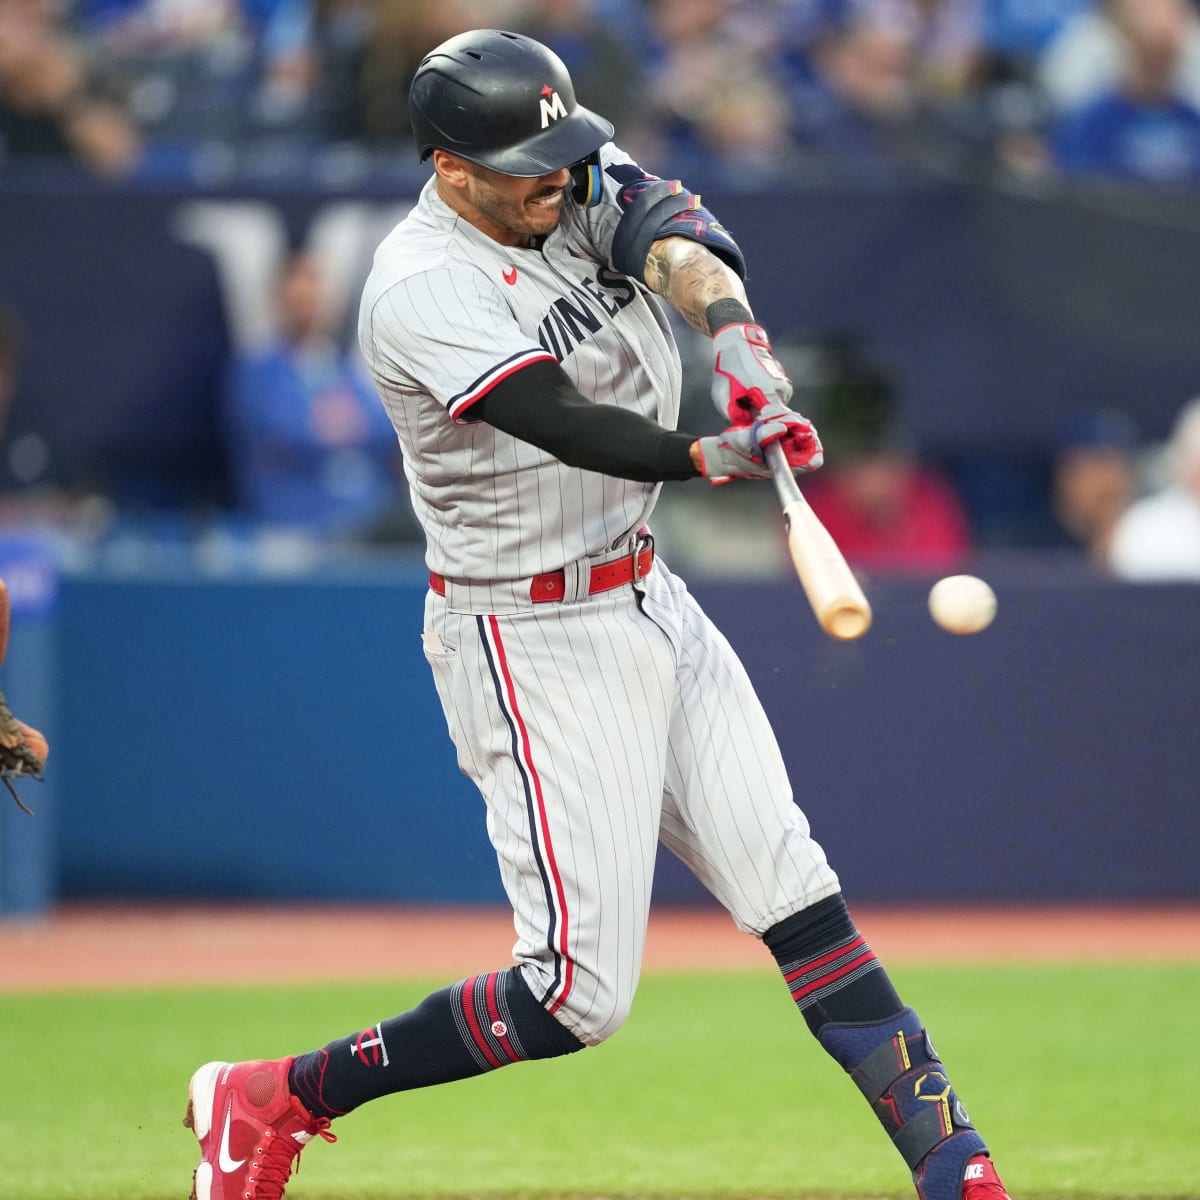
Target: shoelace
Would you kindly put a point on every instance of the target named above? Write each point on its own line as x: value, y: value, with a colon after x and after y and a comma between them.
x: 986, y: 1189
x: 282, y: 1150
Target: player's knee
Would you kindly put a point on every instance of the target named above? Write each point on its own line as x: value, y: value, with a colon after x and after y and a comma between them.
x: 596, y: 1022
x: 593, y: 1027
x: 589, y: 1006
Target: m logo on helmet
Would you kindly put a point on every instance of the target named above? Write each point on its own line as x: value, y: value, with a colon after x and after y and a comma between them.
x: 552, y: 106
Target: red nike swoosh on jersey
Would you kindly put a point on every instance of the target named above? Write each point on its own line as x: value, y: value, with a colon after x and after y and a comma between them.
x: 510, y: 276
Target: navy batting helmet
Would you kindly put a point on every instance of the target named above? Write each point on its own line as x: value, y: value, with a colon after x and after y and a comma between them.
x: 503, y: 101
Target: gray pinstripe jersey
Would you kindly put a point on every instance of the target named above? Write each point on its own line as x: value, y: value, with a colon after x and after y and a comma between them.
x: 447, y: 313
x: 601, y: 724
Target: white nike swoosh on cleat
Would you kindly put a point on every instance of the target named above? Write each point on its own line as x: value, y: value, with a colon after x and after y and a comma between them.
x: 224, y: 1160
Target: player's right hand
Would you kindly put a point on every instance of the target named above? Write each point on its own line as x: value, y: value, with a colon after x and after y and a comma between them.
x: 747, y: 376
x: 739, y: 452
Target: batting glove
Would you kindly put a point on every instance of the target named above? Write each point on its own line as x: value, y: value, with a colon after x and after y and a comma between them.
x: 795, y: 433
x: 748, y: 376
x: 738, y: 453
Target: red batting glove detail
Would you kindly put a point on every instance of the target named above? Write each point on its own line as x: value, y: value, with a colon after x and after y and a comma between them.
x: 803, y: 451
x: 744, y: 402
x: 795, y: 433
x: 753, y: 377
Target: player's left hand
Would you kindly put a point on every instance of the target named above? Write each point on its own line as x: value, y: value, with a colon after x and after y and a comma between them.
x: 795, y: 433
x: 747, y: 377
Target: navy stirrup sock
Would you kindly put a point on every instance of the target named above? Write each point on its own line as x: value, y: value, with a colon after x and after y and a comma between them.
x: 472, y: 1027
x: 849, y: 1003
x: 832, y: 973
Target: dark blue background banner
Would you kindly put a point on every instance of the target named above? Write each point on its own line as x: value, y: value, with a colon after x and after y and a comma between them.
x: 282, y: 739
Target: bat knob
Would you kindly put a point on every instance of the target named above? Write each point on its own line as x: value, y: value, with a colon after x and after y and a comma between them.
x: 846, y: 620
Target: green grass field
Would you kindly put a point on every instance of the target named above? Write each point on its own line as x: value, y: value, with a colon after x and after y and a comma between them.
x: 1083, y: 1079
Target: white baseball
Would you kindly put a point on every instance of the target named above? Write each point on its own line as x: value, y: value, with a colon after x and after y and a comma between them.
x: 962, y: 604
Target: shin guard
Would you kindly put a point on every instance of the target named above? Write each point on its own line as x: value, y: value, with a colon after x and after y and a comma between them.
x: 897, y: 1069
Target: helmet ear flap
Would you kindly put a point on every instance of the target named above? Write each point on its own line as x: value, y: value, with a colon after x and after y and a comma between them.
x: 587, y: 184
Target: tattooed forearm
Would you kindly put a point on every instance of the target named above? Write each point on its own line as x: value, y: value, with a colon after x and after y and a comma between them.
x: 690, y: 277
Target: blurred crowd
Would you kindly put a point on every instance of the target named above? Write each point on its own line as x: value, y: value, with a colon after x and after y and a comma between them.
x: 740, y: 92
x: 744, y: 94
x: 316, y: 470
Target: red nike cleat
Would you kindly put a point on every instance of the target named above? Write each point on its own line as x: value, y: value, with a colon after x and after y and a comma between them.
x: 250, y: 1127
x: 980, y: 1181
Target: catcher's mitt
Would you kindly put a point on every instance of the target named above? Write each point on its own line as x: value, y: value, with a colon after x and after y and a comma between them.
x: 23, y: 749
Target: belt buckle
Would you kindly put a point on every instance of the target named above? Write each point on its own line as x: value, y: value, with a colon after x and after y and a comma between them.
x: 645, y: 542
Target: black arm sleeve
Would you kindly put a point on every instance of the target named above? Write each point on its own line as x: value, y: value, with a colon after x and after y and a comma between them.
x: 539, y: 404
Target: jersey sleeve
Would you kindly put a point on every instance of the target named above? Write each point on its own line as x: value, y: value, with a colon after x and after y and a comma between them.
x: 449, y: 331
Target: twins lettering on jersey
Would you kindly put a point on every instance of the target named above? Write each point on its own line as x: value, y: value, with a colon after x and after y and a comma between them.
x: 571, y: 320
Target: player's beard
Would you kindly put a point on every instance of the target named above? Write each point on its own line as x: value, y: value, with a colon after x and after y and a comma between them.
x: 523, y: 217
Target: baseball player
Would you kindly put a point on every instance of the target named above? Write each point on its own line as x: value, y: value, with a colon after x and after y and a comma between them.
x: 514, y: 327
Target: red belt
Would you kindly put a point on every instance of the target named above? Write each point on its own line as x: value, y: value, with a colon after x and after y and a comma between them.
x: 552, y: 585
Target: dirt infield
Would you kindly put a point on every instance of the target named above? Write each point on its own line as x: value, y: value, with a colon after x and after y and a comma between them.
x: 107, y: 946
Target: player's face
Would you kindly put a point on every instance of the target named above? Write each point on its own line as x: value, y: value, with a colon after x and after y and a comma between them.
x: 514, y: 211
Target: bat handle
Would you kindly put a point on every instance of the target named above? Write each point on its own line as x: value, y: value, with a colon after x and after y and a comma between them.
x: 781, y: 473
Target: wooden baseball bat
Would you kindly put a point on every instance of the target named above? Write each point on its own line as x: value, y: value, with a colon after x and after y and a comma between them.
x: 837, y: 600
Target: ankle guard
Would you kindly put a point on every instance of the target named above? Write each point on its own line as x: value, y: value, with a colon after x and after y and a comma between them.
x: 899, y: 1072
